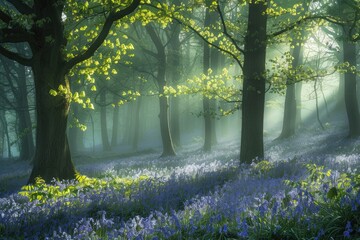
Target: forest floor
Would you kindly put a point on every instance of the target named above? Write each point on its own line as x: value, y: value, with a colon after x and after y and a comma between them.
x: 302, y: 189
x: 330, y: 144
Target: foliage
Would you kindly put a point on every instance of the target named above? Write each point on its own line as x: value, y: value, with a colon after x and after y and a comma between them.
x: 43, y: 192
x: 211, y: 200
x: 335, y: 200
x: 220, y: 86
x: 262, y: 167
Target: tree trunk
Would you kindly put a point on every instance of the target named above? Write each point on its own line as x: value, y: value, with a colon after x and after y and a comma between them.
x: 27, y: 147
x: 48, y: 46
x: 18, y: 87
x: 215, y: 65
x: 289, y: 120
x: 174, y: 62
x: 75, y: 134
x: 115, y: 128
x: 72, y: 134
x: 6, y: 134
x: 2, y: 135
x: 103, y: 121
x: 168, y: 148
x: 52, y: 156
x: 206, y: 101
x: 253, y: 101
x: 351, y: 102
x: 175, y: 121
x: 93, y: 132
x: 298, y: 92
x: 127, y: 132
x: 4, y: 129
x: 135, y: 140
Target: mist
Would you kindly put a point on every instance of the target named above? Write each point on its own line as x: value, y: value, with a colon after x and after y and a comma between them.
x: 179, y: 119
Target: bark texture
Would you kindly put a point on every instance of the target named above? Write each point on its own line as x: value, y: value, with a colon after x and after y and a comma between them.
x: 351, y: 103
x: 252, y: 145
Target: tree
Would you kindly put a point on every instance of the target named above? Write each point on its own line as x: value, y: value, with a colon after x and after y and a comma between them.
x: 253, y: 99
x: 349, y: 57
x: 103, y: 118
x: 351, y: 103
x: 209, y: 17
x: 293, y: 90
x: 115, y: 129
x: 16, y: 79
x: 345, y: 15
x: 44, y: 31
x: 224, y: 36
x: 168, y: 148
x: 175, y: 66
x: 290, y: 109
x: 76, y: 129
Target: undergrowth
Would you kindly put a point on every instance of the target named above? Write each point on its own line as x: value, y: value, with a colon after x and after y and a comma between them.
x: 261, y: 201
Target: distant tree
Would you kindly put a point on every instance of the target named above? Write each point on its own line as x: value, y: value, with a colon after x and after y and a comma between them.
x: 249, y: 52
x: 76, y: 129
x: 345, y: 15
x: 103, y: 117
x: 17, y: 94
x: 351, y: 102
x: 290, y: 107
x: 175, y: 76
x: 116, y: 122
x: 41, y: 24
x: 293, y: 90
x: 209, y: 18
x: 4, y: 130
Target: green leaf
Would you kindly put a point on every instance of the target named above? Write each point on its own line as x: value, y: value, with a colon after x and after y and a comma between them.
x: 332, y: 193
x: 52, y: 92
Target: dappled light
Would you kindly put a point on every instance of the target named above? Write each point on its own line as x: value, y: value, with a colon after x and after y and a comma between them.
x: 152, y: 119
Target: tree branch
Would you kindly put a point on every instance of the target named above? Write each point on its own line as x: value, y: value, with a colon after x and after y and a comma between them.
x: 113, y: 16
x: 8, y: 102
x: 16, y: 57
x: 297, y: 23
x: 353, y: 26
x: 124, y: 12
x: 151, y: 53
x: 155, y: 38
x: 16, y: 35
x: 226, y: 33
x: 236, y: 58
x: 135, y: 40
x: 5, y: 17
x: 21, y: 6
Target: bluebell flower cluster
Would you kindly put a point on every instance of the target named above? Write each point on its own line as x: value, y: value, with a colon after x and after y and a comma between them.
x: 222, y: 199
